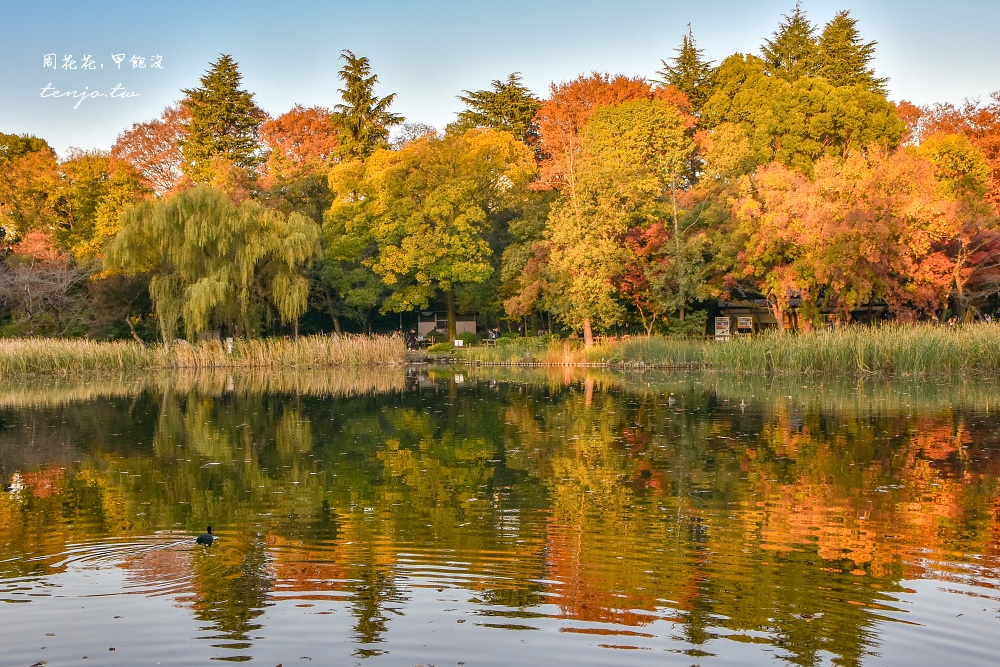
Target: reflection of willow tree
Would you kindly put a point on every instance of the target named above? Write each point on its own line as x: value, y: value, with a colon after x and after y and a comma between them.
x: 232, y: 582
x: 375, y: 593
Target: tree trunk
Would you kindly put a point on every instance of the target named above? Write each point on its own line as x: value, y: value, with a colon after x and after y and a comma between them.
x: 128, y: 321
x: 588, y: 333
x: 778, y: 311
x: 449, y: 300
x: 681, y: 297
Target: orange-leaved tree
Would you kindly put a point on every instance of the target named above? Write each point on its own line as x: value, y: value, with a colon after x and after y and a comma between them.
x: 875, y: 226
x: 153, y: 149
x: 300, y: 142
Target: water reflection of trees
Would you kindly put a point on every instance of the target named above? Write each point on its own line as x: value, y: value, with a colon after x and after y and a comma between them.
x: 791, y: 519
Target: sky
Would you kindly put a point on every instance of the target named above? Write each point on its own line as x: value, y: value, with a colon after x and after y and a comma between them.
x: 427, y: 52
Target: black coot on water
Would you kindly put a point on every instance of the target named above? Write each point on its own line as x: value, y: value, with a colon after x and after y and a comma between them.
x: 206, y: 538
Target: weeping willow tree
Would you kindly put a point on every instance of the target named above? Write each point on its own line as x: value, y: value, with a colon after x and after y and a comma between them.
x: 213, y: 263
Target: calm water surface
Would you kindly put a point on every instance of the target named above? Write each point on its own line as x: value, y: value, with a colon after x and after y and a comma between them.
x: 475, y: 518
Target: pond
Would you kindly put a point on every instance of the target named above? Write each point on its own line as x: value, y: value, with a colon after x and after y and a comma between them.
x: 475, y: 517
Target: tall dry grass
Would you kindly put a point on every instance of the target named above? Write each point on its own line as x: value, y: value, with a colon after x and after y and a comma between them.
x: 307, y: 351
x: 866, y: 350
x: 860, y: 350
x: 30, y: 356
x: 630, y: 352
x: 892, y: 349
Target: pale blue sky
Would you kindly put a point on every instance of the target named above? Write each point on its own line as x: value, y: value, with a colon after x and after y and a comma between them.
x: 429, y: 52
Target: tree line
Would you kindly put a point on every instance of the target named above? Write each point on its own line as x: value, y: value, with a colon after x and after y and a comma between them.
x: 613, y: 203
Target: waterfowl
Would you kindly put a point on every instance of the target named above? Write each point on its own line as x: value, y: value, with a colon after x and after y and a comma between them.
x: 206, y: 538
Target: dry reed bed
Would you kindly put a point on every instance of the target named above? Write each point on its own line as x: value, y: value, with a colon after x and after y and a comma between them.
x: 863, y: 350
x: 30, y: 356
x: 892, y: 349
x: 657, y: 350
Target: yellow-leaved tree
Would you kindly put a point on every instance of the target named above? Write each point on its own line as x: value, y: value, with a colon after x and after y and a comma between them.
x: 420, y: 217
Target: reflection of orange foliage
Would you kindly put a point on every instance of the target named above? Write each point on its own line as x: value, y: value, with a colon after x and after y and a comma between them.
x: 993, y: 548
x: 796, y: 515
x: 588, y: 590
x: 931, y: 499
x: 45, y: 482
x: 938, y: 442
x: 164, y: 570
x: 299, y: 569
x: 877, y: 535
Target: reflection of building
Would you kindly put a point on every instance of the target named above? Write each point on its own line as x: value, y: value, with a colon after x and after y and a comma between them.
x: 429, y: 321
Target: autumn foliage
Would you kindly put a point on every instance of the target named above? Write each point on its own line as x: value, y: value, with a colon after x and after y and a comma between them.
x: 616, y: 203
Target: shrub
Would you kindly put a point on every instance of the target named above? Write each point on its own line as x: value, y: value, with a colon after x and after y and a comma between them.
x: 693, y: 325
x: 468, y: 338
x: 435, y: 336
x: 442, y: 347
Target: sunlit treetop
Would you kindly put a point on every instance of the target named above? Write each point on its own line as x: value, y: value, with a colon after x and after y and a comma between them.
x: 363, y: 119
x: 688, y: 72
x: 791, y: 51
x: 843, y: 59
x: 508, y: 106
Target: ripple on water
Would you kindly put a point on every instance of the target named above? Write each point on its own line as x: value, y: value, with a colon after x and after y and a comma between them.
x: 155, y: 565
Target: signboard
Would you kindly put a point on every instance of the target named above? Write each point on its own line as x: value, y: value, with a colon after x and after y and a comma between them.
x: 722, y: 325
x: 744, y: 323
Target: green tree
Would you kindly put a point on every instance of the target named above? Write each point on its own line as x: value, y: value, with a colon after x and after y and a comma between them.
x: 843, y: 59
x: 634, y: 156
x: 419, y: 217
x: 797, y: 122
x: 364, y: 120
x: 689, y: 72
x: 791, y: 52
x: 224, y: 124
x: 509, y: 106
x: 215, y: 263
x: 347, y: 286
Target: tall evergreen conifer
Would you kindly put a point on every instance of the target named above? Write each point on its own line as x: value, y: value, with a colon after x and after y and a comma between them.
x: 689, y: 72
x: 843, y: 59
x: 791, y: 53
x: 509, y: 106
x: 363, y: 119
x: 224, y: 123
